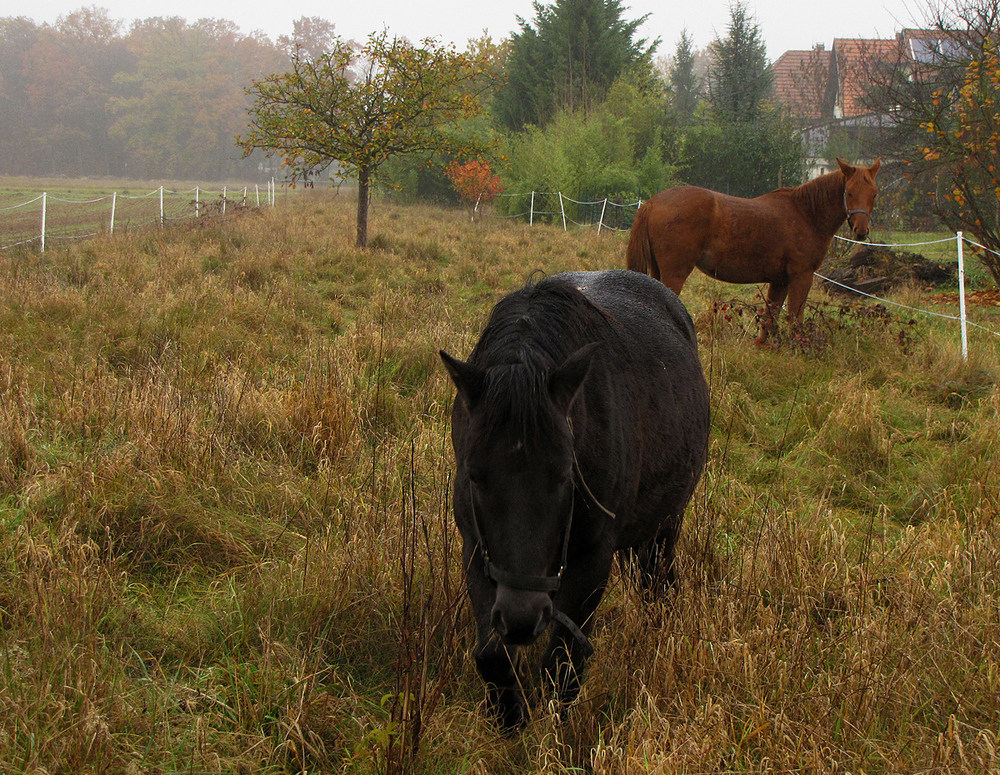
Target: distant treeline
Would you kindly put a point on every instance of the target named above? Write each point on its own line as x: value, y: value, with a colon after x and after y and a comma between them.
x: 163, y: 98
x: 583, y: 108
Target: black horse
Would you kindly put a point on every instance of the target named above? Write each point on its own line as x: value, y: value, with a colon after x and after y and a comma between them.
x: 580, y: 429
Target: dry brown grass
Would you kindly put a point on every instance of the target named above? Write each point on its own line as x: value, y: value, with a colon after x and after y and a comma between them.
x: 226, y: 546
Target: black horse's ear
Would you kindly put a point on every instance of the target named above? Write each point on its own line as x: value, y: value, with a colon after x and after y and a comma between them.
x: 565, y: 381
x: 467, y: 378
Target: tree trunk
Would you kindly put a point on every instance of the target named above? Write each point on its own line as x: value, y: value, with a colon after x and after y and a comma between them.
x: 364, y: 185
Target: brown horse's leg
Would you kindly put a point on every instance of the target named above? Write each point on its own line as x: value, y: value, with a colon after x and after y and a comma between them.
x: 798, y: 291
x: 675, y: 277
x: 776, y: 293
x: 674, y: 256
x: 654, y: 267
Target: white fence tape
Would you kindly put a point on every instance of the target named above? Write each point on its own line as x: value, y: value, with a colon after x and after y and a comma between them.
x: 892, y: 245
x: 960, y: 242
x: 48, y: 217
x: 553, y: 205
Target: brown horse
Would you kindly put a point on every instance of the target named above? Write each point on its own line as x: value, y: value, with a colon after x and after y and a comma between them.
x: 779, y: 238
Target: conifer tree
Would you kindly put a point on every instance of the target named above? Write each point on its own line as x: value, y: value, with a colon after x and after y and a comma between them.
x: 684, y: 84
x: 568, y: 58
x: 746, y: 147
x: 740, y: 77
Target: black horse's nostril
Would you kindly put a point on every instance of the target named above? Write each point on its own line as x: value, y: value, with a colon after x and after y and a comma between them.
x: 544, y: 618
x: 519, y: 619
x: 499, y: 625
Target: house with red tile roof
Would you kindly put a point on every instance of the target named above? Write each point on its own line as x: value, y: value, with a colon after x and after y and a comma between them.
x: 821, y: 84
x: 804, y: 85
x: 854, y: 62
x: 825, y: 90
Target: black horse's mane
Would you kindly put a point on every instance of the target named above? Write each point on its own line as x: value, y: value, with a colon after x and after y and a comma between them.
x: 530, y: 333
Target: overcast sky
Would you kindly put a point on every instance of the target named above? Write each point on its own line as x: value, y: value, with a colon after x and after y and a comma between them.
x: 785, y: 24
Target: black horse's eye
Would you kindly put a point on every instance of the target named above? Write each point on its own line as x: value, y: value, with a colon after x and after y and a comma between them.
x: 477, y: 477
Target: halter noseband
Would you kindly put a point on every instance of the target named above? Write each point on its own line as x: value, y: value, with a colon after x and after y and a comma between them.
x: 851, y: 212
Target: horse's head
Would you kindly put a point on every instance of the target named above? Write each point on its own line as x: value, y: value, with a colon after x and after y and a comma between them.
x: 515, y: 465
x: 859, y: 195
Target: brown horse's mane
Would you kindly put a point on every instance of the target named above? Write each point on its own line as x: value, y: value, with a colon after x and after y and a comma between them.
x: 822, y: 198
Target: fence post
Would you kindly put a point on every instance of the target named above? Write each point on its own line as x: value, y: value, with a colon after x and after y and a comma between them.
x: 961, y: 295
x: 273, y: 192
x: 161, y: 206
x: 256, y: 191
x: 114, y: 204
x: 604, y: 207
x: 197, y: 201
x: 244, y: 196
x: 224, y: 190
x: 562, y: 210
x: 531, y: 210
x: 44, y: 205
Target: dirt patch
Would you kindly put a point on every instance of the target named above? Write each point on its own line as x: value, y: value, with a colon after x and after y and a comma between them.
x: 873, y: 269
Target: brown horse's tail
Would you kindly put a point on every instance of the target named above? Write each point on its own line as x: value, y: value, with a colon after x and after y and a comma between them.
x: 639, y: 254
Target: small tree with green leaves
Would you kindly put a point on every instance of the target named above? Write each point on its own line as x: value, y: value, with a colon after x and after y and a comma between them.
x: 626, y: 146
x: 357, y: 106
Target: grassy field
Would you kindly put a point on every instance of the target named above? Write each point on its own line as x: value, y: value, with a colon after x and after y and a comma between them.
x: 226, y: 546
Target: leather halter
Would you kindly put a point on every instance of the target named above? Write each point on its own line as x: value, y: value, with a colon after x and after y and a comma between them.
x: 851, y: 212
x: 530, y: 583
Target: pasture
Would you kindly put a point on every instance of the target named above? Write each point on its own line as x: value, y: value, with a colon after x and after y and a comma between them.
x: 75, y: 209
x: 226, y: 542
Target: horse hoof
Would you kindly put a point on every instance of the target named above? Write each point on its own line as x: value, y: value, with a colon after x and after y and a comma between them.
x: 512, y: 719
x: 509, y: 710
